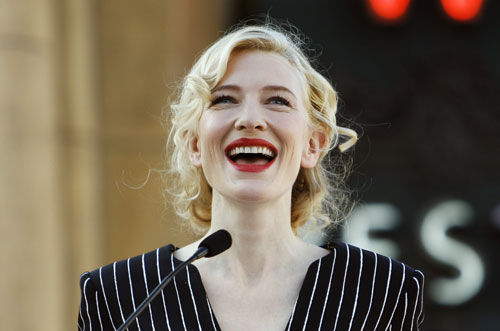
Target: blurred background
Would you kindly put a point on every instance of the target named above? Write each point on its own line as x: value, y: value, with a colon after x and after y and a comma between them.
x: 83, y: 84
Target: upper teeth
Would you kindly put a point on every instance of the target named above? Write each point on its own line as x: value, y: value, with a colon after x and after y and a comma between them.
x: 252, y: 150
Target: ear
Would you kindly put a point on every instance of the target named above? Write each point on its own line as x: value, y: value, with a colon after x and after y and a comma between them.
x: 315, y: 145
x: 194, y: 151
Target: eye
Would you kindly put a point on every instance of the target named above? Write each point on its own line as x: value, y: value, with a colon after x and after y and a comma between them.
x: 223, y: 99
x: 278, y: 100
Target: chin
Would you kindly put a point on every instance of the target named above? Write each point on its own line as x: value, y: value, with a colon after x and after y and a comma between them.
x: 253, y: 194
x: 252, y: 197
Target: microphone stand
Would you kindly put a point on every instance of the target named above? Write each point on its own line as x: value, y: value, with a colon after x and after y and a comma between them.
x: 200, y: 252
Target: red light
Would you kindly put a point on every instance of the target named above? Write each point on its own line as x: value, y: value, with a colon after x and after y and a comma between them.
x: 389, y: 10
x: 462, y: 10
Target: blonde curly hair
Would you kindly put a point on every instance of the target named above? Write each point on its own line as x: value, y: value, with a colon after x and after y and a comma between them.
x: 318, y: 194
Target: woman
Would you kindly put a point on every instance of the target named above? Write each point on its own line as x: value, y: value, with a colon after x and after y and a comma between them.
x: 251, y: 127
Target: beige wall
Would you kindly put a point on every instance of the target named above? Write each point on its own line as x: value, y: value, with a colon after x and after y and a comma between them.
x: 82, y: 85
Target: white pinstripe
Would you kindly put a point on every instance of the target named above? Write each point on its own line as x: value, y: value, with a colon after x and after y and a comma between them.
x: 177, y: 292
x: 312, y: 295
x: 386, y: 292
x: 357, y: 288
x: 416, y: 301
x: 117, y: 295
x: 211, y: 314
x: 329, y: 285
x: 404, y: 315
x: 106, y: 299
x: 343, y: 287
x: 421, y: 306
x: 98, y: 310
x: 86, y: 301
x: 159, y: 281
x: 132, y: 291
x: 192, y: 297
x: 397, y: 301
x: 373, y: 287
x: 81, y: 317
x: 85, y: 274
x: 293, y: 314
x: 147, y: 292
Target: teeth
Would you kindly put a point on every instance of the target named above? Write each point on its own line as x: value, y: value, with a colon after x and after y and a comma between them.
x: 251, y: 149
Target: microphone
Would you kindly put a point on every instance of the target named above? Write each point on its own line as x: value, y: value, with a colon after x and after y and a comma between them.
x: 216, y: 243
x: 212, y: 245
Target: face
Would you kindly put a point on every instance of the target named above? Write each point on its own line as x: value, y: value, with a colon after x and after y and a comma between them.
x: 255, y: 134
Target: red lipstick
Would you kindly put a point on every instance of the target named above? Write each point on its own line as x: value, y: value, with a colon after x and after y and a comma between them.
x: 241, y: 142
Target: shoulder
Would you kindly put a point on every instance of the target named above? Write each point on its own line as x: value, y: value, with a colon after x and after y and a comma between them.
x: 383, y: 290
x: 131, y: 268
x: 379, y: 281
x: 111, y: 292
x: 377, y: 264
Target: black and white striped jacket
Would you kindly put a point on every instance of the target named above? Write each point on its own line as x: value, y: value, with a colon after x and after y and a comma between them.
x: 348, y: 289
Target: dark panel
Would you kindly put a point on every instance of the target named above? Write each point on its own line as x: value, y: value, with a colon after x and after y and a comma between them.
x: 424, y: 94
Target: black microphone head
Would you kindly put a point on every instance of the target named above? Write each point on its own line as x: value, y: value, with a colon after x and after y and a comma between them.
x: 216, y: 243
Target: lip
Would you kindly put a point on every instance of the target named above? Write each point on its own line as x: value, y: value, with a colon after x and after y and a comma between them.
x: 250, y: 142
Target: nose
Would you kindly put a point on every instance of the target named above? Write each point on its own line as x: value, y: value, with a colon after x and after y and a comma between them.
x: 250, y: 117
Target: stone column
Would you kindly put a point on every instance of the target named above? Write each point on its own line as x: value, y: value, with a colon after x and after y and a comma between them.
x: 51, y: 225
x: 82, y: 131
x: 82, y: 85
x: 32, y: 244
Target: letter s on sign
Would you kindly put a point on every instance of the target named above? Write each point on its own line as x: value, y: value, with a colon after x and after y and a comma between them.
x: 437, y: 221
x: 368, y: 218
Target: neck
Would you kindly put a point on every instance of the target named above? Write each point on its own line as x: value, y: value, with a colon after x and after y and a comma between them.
x: 263, y: 238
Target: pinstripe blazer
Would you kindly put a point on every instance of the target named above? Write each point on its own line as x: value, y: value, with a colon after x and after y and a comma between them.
x: 348, y: 289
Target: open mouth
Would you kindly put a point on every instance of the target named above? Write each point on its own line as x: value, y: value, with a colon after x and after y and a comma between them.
x: 252, y: 155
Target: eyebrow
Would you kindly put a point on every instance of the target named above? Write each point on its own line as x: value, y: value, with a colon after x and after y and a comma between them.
x: 227, y: 87
x: 278, y: 88
x: 265, y: 88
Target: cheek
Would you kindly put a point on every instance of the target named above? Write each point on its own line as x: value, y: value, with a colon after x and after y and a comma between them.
x: 212, y: 130
x: 293, y: 132
x: 209, y: 128
x: 214, y: 123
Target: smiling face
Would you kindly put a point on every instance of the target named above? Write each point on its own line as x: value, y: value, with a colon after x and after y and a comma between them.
x: 255, y: 135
